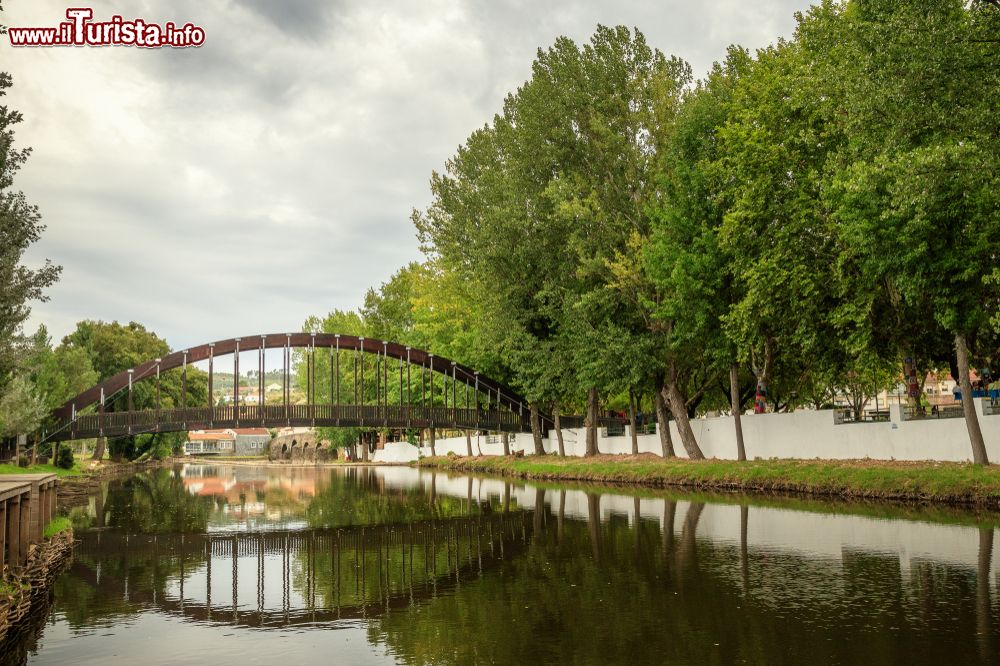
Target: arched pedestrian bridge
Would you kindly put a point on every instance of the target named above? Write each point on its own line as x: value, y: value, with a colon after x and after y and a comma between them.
x: 372, y: 383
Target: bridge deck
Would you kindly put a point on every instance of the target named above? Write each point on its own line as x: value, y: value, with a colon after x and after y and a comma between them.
x: 117, y: 424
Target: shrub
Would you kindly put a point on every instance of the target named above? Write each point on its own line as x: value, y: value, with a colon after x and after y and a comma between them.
x: 65, y: 458
x: 58, y: 524
x: 22, y: 461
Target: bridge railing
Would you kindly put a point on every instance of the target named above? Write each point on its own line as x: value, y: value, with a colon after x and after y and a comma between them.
x: 113, y: 424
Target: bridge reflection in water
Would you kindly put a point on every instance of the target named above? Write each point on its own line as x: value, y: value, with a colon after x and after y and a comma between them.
x: 289, y: 577
x: 222, y: 564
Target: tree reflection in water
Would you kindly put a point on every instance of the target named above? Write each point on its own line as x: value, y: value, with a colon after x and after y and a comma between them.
x: 441, y: 574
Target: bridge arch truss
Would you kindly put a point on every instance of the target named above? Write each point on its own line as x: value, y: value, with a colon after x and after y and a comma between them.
x: 406, y: 394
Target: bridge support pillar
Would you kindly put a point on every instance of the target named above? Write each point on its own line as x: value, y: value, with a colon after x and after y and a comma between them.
x: 211, y: 376
x: 13, y: 530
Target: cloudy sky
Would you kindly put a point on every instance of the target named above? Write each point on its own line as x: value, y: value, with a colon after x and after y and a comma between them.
x: 269, y: 175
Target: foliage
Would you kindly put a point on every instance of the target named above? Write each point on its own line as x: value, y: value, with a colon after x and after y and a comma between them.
x: 810, y: 214
x: 65, y: 458
x: 21, y: 408
x: 57, y: 525
x: 58, y: 374
x: 20, y: 228
x: 341, y: 438
x: 112, y: 348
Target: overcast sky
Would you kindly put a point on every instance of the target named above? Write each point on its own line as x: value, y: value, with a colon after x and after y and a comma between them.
x: 269, y: 175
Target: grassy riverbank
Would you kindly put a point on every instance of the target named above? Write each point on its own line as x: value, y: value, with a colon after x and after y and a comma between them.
x: 870, y: 479
x: 40, y: 469
x: 57, y: 525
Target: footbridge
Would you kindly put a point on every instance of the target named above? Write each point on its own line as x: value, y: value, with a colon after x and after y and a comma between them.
x: 370, y: 383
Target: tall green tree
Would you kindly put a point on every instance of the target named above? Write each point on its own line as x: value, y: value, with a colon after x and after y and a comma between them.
x: 689, y: 271
x: 776, y: 233
x: 20, y: 227
x: 112, y: 348
x: 533, y: 206
x: 916, y: 191
x: 388, y: 310
x: 58, y: 373
x: 22, y: 410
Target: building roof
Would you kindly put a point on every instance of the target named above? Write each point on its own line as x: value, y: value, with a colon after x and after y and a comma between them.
x: 251, y: 431
x: 210, y: 436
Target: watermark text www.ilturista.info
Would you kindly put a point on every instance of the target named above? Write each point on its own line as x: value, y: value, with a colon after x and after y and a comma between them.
x: 82, y: 30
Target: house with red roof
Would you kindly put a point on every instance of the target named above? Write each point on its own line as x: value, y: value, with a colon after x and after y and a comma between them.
x: 227, y: 442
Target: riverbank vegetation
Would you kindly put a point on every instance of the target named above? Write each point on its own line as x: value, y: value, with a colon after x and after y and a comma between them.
x: 57, y: 525
x: 37, y: 375
x: 869, y: 479
x: 6, y: 468
x: 815, y: 219
x: 797, y: 224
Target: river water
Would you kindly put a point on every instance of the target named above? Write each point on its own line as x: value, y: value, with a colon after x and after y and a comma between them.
x: 283, y: 565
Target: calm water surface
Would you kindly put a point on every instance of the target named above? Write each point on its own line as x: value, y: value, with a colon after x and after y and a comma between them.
x: 245, y: 565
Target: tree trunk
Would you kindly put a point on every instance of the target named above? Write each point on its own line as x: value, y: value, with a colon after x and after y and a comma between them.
x: 734, y: 392
x: 468, y: 442
x: 364, y: 450
x: 912, y: 382
x: 969, y: 403
x: 102, y: 444
x: 431, y: 436
x: 632, y: 409
x: 505, y: 438
x: 536, y: 429
x: 678, y: 408
x: 34, y: 451
x: 558, y: 426
x: 663, y: 424
x: 19, y: 448
x: 764, y: 378
x: 591, y: 423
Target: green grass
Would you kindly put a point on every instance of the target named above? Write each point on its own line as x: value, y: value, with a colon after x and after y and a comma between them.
x: 40, y: 469
x: 57, y: 525
x: 865, y: 479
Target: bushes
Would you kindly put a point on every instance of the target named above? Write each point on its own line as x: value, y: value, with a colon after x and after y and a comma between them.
x: 64, y: 460
x: 57, y: 525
